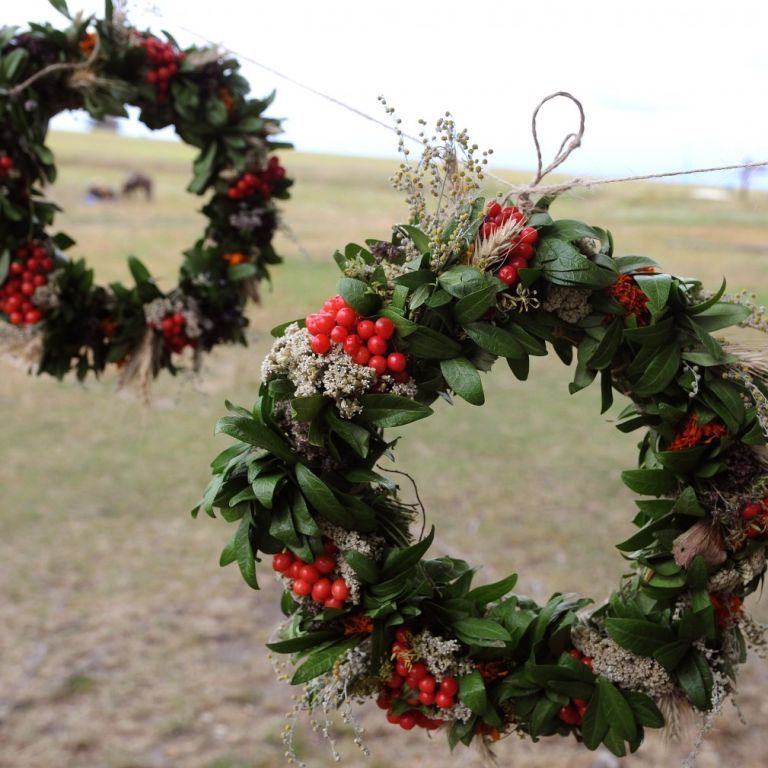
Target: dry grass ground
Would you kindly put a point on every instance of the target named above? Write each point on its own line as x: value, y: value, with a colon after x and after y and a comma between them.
x: 123, y: 645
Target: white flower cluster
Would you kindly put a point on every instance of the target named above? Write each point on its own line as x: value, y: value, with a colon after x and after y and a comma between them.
x: 156, y: 310
x: 334, y: 374
x: 369, y: 545
x: 441, y: 656
x: 247, y: 221
x: 569, y: 304
x: 620, y: 666
x: 47, y: 296
x: 739, y: 574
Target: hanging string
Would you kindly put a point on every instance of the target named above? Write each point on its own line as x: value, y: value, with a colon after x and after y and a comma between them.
x: 571, y: 142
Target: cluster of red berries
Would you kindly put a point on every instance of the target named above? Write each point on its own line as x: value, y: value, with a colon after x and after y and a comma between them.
x: 313, y: 579
x: 262, y: 183
x: 412, y: 684
x: 365, y: 341
x: 755, y: 517
x: 174, y: 337
x: 165, y: 60
x: 573, y: 713
x: 521, y: 247
x: 6, y: 163
x: 727, y: 608
x: 28, y: 271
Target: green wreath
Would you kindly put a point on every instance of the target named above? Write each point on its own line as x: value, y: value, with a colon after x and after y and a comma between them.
x: 51, y: 312
x: 421, y: 316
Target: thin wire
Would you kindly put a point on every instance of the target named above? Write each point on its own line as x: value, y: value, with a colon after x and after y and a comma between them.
x: 526, y: 189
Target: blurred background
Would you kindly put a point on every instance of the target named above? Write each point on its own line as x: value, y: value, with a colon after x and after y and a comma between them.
x: 123, y: 644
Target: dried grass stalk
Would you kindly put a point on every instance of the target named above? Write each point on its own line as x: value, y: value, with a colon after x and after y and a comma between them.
x: 703, y: 538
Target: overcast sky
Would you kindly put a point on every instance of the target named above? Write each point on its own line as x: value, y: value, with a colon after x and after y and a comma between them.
x: 665, y: 85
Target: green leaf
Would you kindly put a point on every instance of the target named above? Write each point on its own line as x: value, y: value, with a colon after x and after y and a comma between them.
x: 696, y: 309
x: 463, y: 378
x: 595, y: 725
x: 649, y: 482
x: 355, y: 436
x: 5, y: 262
x: 462, y: 280
x: 417, y: 237
x: 203, y: 169
x: 543, y: 716
x: 363, y: 566
x: 282, y: 527
x: 391, y: 410
x: 494, y: 340
x: 603, y: 355
x: 244, y: 552
x: 308, y: 408
x: 488, y: 593
x: 639, y: 636
x: 474, y: 305
x: 695, y: 678
x: 322, y: 498
x: 722, y: 315
x: 645, y: 709
x: 264, y: 487
x: 11, y: 63
x: 238, y: 272
x: 302, y: 642
x: 630, y: 264
x: 139, y: 272
x: 472, y: 692
x: 255, y: 433
x: 358, y: 295
x: 416, y: 278
x: 61, y: 7
x: 429, y: 344
x: 480, y: 632
x: 302, y: 518
x: 616, y: 710
x: 401, y: 559
x: 656, y: 288
x: 563, y: 264
x: 322, y: 661
x: 660, y: 372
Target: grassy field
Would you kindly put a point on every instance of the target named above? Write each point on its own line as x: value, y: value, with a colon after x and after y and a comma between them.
x: 123, y: 643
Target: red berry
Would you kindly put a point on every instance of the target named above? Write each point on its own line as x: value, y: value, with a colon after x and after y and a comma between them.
x: 411, y: 682
x: 385, y: 327
x: 282, y: 561
x: 400, y: 648
x: 401, y: 668
x: 5, y: 162
x: 167, y: 325
x: 301, y: 588
x: 488, y: 229
x: 401, y: 635
x: 427, y: 698
x: 396, y: 681
x: 351, y: 344
x: 310, y: 322
x: 39, y: 280
x: 15, y: 268
x: 529, y: 235
x: 377, y: 346
x: 366, y: 329
x: 407, y: 721
x: 47, y: 264
x: 427, y: 684
x: 569, y: 715
x: 443, y: 700
x: 329, y: 547
x: 507, y: 274
x: 523, y: 251
x: 339, y: 334
x: 324, y: 323
x: 293, y: 570
x: 511, y: 213
x: 494, y: 209
x: 362, y: 356
x: 518, y: 263
x: 16, y: 318
x: 419, y: 671
x: 232, y: 193
x: 576, y: 653
x: 33, y: 264
x: 14, y: 302
x: 449, y: 686
x: 751, y: 510
x: 325, y: 564
x: 383, y: 700
x: 321, y: 590
x: 580, y: 703
x: 151, y: 77
x: 346, y: 317
x: 340, y: 590
x: 309, y: 573
x: 396, y: 362
x: 27, y: 288
x: 333, y: 603
x: 320, y: 344
x: 378, y: 363
x: 393, y: 718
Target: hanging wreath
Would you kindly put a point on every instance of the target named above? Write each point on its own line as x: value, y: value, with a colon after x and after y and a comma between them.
x: 51, y: 311
x: 421, y: 316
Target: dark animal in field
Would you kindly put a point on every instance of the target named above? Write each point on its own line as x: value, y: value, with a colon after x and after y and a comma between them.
x: 98, y: 192
x: 138, y: 181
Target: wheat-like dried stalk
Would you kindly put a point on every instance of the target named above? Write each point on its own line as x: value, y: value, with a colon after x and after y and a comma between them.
x: 141, y: 365
x: 492, y: 251
x: 22, y: 349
